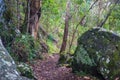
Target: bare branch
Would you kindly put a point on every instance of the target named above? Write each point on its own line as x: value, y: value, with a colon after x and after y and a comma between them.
x: 109, y: 13
x: 80, y: 23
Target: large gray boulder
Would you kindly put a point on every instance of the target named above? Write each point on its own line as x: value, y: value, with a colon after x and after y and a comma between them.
x: 98, y: 54
x: 7, y: 66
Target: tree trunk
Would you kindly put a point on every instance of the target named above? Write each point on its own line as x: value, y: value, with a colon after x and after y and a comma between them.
x: 64, y: 43
x: 18, y: 15
x: 33, y: 17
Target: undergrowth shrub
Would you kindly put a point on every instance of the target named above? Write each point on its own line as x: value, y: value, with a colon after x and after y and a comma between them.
x: 7, y: 33
x: 25, y: 70
x: 52, y: 47
x: 25, y: 48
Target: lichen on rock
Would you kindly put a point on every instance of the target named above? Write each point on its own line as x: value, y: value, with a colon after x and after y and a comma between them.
x: 98, y: 54
x: 25, y: 70
x: 7, y: 66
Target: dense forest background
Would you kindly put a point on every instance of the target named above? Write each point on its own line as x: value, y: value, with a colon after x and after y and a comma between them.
x: 30, y: 28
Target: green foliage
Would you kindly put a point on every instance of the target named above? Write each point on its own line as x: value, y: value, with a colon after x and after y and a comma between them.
x: 52, y: 47
x: 65, y: 59
x: 79, y: 2
x: 114, y: 20
x: 73, y: 47
x: 81, y: 56
x: 25, y: 48
x: 25, y: 70
x: 51, y: 6
x: 8, y: 21
x: 7, y: 34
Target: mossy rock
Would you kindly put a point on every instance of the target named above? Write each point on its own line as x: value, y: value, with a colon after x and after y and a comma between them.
x: 8, y: 69
x: 25, y: 70
x: 98, y: 54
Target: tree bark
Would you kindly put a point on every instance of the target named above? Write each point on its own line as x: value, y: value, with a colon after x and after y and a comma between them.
x: 18, y: 14
x: 33, y: 17
x: 64, y: 43
x: 28, y: 15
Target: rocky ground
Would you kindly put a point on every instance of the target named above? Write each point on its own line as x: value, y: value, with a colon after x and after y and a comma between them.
x: 47, y: 69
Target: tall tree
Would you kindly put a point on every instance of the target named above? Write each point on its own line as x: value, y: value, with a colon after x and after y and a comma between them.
x: 67, y: 17
x: 33, y: 15
x: 18, y: 14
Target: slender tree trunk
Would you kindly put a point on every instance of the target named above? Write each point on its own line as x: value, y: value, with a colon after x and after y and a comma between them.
x: 107, y: 16
x: 80, y: 23
x: 18, y: 15
x: 28, y: 15
x: 67, y: 17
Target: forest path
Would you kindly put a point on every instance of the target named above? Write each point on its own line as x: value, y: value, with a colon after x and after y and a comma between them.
x: 47, y: 69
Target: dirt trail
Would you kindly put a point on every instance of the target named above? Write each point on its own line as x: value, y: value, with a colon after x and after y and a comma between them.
x: 48, y: 69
